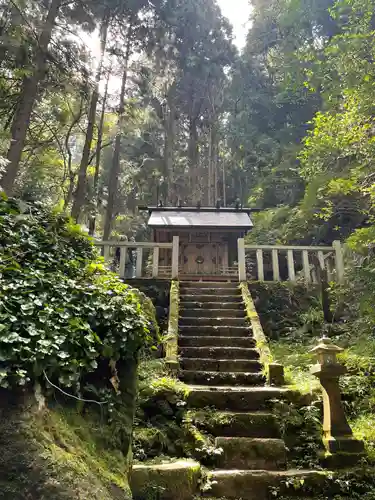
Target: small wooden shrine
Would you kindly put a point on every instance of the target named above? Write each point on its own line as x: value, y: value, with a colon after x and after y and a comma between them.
x: 207, y: 237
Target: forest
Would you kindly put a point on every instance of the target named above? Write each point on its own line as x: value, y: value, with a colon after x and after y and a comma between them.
x: 109, y: 105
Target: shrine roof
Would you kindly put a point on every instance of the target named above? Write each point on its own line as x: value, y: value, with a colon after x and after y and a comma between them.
x: 185, y: 217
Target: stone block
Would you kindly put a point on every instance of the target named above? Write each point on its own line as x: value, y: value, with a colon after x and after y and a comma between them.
x: 171, y: 481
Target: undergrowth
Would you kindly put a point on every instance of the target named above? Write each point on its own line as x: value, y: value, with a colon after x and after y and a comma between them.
x: 59, y: 454
x: 163, y: 426
x: 292, y: 349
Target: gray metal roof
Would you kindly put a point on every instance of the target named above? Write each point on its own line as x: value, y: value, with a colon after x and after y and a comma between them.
x: 212, y: 219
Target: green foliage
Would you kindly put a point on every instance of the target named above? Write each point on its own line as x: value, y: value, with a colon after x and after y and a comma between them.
x: 285, y: 308
x: 163, y: 426
x: 351, y: 485
x: 60, y: 310
x: 59, y: 453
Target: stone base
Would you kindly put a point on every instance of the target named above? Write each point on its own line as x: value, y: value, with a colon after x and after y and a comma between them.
x: 276, y: 374
x: 168, y: 481
x: 344, y: 445
x: 256, y: 484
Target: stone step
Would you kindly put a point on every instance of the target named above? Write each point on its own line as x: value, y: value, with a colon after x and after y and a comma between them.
x: 222, y: 378
x: 234, y: 399
x: 186, y: 312
x: 211, y: 292
x: 251, y: 453
x: 211, y: 305
x: 209, y: 284
x: 255, y: 485
x: 213, y: 341
x: 221, y: 365
x: 218, y: 321
x: 226, y: 423
x: 203, y: 298
x: 219, y: 352
x: 215, y: 331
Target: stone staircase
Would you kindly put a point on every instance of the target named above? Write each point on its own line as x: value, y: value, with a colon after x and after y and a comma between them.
x: 221, y: 364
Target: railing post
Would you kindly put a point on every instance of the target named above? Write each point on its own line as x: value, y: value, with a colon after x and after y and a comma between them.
x: 155, y: 263
x: 241, y: 260
x: 138, y: 270
x: 175, y: 257
x: 123, y: 255
x: 306, y: 266
x: 291, y: 268
x: 275, y: 265
x: 340, y: 268
x: 321, y: 260
x: 260, y: 264
x: 106, y: 250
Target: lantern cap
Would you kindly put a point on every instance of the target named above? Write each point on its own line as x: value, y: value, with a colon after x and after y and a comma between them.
x: 325, y: 345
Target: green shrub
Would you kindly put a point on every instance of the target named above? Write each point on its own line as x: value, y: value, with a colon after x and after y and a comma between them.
x: 61, y: 311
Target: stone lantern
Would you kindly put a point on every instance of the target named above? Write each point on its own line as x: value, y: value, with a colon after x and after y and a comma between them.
x: 337, y: 434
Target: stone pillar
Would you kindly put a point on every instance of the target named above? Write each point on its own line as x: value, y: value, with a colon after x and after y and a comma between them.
x: 337, y: 434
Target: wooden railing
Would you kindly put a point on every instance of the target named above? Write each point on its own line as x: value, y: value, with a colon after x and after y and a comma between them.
x: 133, y: 259
x: 255, y: 262
x: 289, y: 263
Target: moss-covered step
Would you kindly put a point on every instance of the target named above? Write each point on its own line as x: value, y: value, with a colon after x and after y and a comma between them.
x: 220, y: 365
x: 239, y: 398
x: 167, y: 481
x: 212, y: 313
x: 217, y: 321
x: 222, y: 378
x: 203, y: 297
x: 210, y: 291
x: 244, y: 424
x: 209, y: 284
x: 217, y: 331
x: 251, y: 453
x: 211, y: 340
x: 219, y: 352
x: 222, y: 305
x: 256, y: 485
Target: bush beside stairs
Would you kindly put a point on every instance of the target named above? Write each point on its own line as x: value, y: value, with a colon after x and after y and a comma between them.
x: 220, y: 362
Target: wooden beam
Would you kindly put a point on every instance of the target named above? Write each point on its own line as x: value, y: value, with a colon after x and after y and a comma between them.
x: 132, y: 244
x: 282, y: 247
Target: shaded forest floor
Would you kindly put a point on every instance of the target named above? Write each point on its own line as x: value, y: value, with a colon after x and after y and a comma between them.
x: 58, y: 454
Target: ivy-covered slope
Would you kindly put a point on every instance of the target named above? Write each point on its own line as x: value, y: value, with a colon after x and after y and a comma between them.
x: 70, y: 335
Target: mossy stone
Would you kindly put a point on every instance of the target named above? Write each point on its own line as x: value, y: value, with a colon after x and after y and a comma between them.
x: 168, y: 481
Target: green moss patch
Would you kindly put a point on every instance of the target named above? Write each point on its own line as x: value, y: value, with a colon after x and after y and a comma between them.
x: 59, y: 454
x: 177, y: 480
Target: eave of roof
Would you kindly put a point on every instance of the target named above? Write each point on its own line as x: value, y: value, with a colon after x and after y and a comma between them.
x: 208, y: 219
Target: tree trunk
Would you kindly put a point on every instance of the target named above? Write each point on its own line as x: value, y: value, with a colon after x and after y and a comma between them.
x: 28, y: 95
x: 79, y: 195
x: 92, y: 222
x: 209, y: 194
x: 170, y: 136
x: 115, y: 169
x: 224, y: 185
x: 193, y: 157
